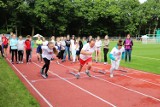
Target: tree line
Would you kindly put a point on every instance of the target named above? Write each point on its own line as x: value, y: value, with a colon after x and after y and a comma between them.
x: 79, y: 17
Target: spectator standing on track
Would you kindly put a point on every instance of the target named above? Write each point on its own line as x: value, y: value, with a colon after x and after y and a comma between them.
x: 89, y: 38
x: 73, y: 48
x: 39, y: 43
x: 20, y: 46
x: 32, y: 47
x: 79, y: 48
x: 47, y: 54
x: 115, y: 55
x: 105, y: 48
x: 1, y: 48
x: 63, y: 45
x: 4, y: 45
x: 28, y: 48
x: 84, y: 40
x: 67, y: 48
x: 128, y: 43
x: 13, y: 44
x: 86, y: 57
x: 98, y: 45
x: 53, y: 40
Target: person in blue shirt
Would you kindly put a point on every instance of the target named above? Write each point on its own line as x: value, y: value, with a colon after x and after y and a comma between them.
x: 13, y: 44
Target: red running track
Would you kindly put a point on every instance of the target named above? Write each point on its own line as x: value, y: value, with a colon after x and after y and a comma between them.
x: 132, y: 89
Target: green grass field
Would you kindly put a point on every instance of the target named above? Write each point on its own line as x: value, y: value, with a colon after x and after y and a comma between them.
x: 12, y: 91
x: 145, y: 57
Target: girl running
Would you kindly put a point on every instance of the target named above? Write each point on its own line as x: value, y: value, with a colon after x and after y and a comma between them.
x: 47, y: 54
x: 20, y: 46
x: 115, y: 56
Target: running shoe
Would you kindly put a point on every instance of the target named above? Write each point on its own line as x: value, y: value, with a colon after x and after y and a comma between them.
x: 87, y: 72
x: 77, y: 76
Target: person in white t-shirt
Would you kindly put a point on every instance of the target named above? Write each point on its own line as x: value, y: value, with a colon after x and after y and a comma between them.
x: 98, y: 45
x: 20, y: 47
x: 115, y: 55
x: 86, y: 57
x: 45, y: 42
x: 73, y: 48
x: 47, y: 54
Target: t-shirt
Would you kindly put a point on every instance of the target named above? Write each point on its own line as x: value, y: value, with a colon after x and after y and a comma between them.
x: 20, y: 45
x: 45, y: 43
x: 28, y: 44
x: 4, y: 40
x: 87, y: 48
x: 63, y: 44
x: 98, y: 43
x: 13, y: 43
x: 47, y: 53
x: 39, y: 42
x: 117, y: 52
x: 68, y: 42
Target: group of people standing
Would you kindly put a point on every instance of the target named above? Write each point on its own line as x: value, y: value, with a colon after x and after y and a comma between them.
x: 76, y: 49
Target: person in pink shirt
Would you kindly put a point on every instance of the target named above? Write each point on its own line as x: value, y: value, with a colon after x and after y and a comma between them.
x: 128, y: 43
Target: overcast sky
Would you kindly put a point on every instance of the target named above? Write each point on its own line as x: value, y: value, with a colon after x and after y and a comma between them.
x: 142, y: 1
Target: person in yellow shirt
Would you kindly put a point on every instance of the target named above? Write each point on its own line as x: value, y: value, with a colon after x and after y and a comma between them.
x: 39, y: 43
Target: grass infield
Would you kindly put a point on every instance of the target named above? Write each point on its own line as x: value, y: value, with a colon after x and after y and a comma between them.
x: 145, y: 57
x: 12, y: 91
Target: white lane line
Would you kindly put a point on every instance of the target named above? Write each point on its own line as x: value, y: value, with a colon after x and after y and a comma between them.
x: 49, y: 104
x: 124, y: 87
x: 57, y: 79
x: 86, y: 91
x: 157, y: 84
x: 147, y: 57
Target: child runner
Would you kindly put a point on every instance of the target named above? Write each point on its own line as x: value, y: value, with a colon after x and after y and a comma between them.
x: 86, y: 57
x: 28, y: 48
x: 115, y: 56
x: 47, y: 54
x: 20, y: 46
x: 13, y: 44
x: 39, y: 43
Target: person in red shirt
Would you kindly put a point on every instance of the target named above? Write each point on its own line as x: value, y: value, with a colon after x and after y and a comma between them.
x: 4, y: 44
x: 28, y: 48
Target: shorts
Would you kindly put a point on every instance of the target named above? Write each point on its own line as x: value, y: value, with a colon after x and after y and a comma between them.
x: 39, y: 50
x: 5, y: 46
x: 82, y: 62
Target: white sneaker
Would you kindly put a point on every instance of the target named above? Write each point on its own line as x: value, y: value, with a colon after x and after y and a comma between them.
x: 111, y: 75
x: 57, y: 62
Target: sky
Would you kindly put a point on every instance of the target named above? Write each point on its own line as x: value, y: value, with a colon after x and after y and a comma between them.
x: 142, y: 1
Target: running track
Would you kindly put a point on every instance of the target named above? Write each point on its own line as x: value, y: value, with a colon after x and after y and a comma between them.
x: 132, y: 89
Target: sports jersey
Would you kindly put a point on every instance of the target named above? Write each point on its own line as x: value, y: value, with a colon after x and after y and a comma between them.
x: 116, y: 53
x: 47, y: 53
x: 87, y: 48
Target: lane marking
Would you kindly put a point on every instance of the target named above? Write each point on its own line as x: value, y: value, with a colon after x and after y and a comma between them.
x: 45, y: 100
x: 123, y: 87
x: 82, y: 89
